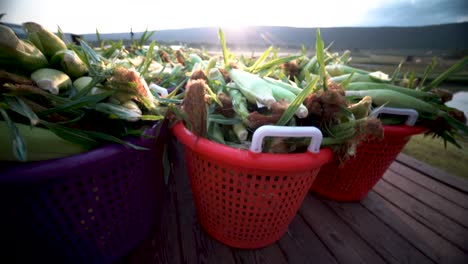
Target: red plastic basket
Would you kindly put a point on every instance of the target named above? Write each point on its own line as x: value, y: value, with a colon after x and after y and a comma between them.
x: 246, y: 199
x: 93, y: 207
x: 352, y: 181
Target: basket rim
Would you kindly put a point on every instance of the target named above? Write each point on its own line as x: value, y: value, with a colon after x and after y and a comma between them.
x: 247, y: 159
x: 39, y: 171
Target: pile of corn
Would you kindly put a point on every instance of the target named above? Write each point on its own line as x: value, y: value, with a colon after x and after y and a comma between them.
x: 72, y: 98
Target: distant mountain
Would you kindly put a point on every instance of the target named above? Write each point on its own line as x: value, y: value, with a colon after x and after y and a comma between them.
x: 439, y: 37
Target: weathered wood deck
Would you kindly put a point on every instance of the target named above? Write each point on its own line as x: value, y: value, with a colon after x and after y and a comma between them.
x: 415, y: 214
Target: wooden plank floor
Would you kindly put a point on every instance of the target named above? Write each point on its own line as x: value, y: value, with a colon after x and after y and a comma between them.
x: 415, y: 214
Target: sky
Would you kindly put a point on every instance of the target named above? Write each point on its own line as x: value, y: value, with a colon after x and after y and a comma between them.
x: 85, y: 16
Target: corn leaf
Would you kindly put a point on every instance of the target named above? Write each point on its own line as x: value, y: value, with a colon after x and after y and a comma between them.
x: 99, y: 40
x: 148, y: 59
x: 303, y: 50
x: 223, y: 47
x: 180, y: 85
x: 151, y: 117
x: 146, y: 36
x: 91, y: 59
x: 20, y: 107
x: 60, y: 33
x: 89, y: 52
x: 71, y: 134
x: 79, y: 115
x: 180, y: 115
x: 88, y: 88
x: 346, y: 82
x: 88, y: 100
x: 412, y: 77
x: 114, y: 111
x: 110, y: 53
x: 166, y: 100
x: 102, y: 136
x: 260, y: 59
x: 455, y: 68
x: 428, y: 71
x: 213, y: 95
x: 214, y: 133
x: 292, y: 108
x: 275, y: 63
x: 220, y: 119
x: 26, y: 89
x: 320, y: 58
x: 396, y: 73
x: 19, y: 148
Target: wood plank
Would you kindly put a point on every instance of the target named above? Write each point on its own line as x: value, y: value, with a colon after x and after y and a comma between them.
x: 429, y: 183
x: 345, y: 245
x: 390, y: 245
x: 301, y: 245
x: 440, y: 224
x: 164, y: 246
x: 197, y: 246
x: 430, y: 243
x: 444, y: 206
x: 271, y: 254
x: 437, y: 174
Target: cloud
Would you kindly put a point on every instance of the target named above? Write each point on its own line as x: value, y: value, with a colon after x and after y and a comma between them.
x: 417, y: 13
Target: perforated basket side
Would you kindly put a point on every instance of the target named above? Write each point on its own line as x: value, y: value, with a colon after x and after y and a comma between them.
x: 245, y: 208
x: 353, y: 180
x: 246, y: 199
x: 95, y: 212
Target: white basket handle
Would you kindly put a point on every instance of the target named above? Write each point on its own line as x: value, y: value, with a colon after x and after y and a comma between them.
x: 287, y: 131
x: 411, y: 113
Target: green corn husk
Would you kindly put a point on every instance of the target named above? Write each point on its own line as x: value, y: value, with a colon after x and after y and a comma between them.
x: 82, y: 82
x: 293, y: 89
x: 239, y: 102
x: 425, y: 96
x: 254, y: 88
x: 16, y: 52
x: 46, y: 41
x: 362, y: 108
x: 70, y: 63
x: 356, y: 77
x: 41, y: 144
x: 132, y: 106
x: 118, y: 112
x: 340, y: 69
x: 240, y: 131
x: 51, y: 80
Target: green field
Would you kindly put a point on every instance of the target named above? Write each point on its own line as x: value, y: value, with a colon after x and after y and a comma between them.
x: 432, y: 151
x: 414, y: 61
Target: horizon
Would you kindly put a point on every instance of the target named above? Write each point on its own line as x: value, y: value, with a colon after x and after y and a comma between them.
x: 227, y: 29
x: 116, y: 17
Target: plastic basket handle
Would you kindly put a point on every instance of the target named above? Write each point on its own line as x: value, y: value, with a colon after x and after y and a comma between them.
x: 411, y: 113
x: 287, y: 131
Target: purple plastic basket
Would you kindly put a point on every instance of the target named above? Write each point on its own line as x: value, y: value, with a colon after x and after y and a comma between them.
x: 94, y: 207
